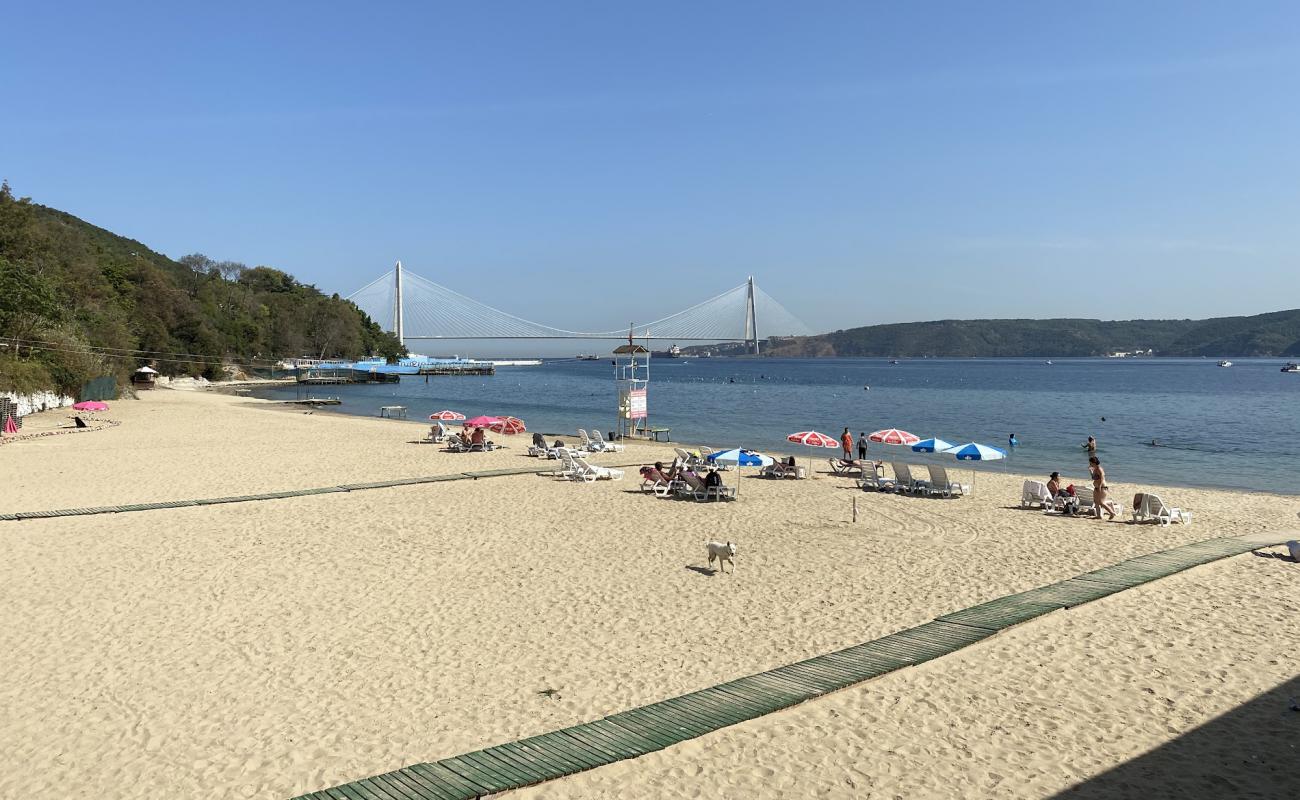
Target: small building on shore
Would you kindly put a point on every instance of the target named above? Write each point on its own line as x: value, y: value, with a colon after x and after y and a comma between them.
x: 144, y: 378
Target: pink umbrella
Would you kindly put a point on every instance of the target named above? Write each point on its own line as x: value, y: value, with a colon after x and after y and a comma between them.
x: 894, y: 436
x: 480, y: 422
x: 508, y: 425
x: 91, y: 405
x: 813, y: 439
x: 447, y: 416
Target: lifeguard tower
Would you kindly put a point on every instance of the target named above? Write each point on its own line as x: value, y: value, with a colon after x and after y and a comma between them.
x: 632, y: 377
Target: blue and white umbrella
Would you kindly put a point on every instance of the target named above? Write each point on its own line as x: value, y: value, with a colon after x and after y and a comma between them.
x: 741, y: 458
x: 974, y: 451
x: 934, y: 445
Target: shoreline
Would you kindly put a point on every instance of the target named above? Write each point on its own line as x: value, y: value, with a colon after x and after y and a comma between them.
x: 268, y: 649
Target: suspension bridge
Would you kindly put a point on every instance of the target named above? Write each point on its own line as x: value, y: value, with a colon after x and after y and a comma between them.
x: 416, y: 308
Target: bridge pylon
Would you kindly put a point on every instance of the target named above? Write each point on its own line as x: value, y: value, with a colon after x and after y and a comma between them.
x: 751, y: 319
x: 398, y: 327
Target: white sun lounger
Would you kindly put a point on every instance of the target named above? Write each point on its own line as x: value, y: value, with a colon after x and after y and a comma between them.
x: 603, y: 446
x: 904, y: 480
x: 1035, y: 493
x: 941, y: 485
x: 1154, y: 509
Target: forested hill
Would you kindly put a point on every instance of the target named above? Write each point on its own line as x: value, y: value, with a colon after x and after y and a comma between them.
x: 77, y: 302
x: 1274, y: 334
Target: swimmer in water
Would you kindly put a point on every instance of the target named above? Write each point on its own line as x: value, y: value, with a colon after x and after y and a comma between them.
x: 1154, y: 443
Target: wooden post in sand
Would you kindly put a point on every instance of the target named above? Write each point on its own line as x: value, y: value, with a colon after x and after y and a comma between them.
x: 855, y: 508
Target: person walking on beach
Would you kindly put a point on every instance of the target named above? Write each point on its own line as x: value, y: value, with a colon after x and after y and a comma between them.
x: 846, y: 441
x: 1100, y: 490
x: 862, y: 446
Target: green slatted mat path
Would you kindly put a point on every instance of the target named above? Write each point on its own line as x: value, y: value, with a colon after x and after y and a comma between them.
x: 638, y: 731
x: 249, y: 498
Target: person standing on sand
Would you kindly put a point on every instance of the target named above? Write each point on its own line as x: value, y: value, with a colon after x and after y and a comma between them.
x: 862, y: 446
x: 846, y: 441
x: 1100, y: 490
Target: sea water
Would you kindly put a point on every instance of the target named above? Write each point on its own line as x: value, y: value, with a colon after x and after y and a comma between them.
x: 1236, y: 427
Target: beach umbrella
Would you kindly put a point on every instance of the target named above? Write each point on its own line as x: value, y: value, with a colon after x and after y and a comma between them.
x: 934, y: 445
x: 974, y: 451
x: 447, y: 416
x: 894, y: 436
x: 741, y: 458
x: 813, y: 439
x: 91, y: 405
x: 480, y: 422
x: 508, y: 426
x: 10, y: 425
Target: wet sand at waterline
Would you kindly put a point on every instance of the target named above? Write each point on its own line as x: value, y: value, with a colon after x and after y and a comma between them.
x: 270, y: 648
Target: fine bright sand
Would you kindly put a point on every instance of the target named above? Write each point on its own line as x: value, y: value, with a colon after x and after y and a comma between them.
x: 271, y: 648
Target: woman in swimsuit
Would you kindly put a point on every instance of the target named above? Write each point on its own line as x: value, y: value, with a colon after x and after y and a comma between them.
x: 1100, y: 491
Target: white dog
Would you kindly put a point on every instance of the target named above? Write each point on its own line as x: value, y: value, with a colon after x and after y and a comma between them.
x: 724, y: 552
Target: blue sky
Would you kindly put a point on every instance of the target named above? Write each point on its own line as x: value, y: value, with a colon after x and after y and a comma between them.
x: 599, y: 162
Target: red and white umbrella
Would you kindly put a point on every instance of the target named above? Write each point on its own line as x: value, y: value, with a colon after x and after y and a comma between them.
x: 894, y: 436
x: 507, y: 425
x: 447, y: 416
x: 813, y: 439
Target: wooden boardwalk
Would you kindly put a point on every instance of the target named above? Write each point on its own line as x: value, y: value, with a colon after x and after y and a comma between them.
x: 636, y: 732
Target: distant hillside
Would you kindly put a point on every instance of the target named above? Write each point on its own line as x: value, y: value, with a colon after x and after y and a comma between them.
x: 77, y: 302
x: 1274, y: 334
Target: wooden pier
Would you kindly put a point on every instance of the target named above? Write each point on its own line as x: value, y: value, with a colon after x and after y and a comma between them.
x: 475, y: 368
x: 324, y: 377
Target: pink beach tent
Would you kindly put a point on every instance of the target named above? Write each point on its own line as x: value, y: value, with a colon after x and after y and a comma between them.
x: 10, y: 425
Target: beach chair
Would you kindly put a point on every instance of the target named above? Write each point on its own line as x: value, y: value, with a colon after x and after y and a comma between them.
x: 603, y: 446
x: 690, y: 459
x: 846, y: 469
x: 781, y: 469
x: 569, y: 469
x: 586, y: 441
x: 875, y: 480
x: 1088, y: 504
x: 720, y: 492
x: 539, y: 448
x: 437, y: 434
x: 457, y: 444
x: 688, y: 484
x: 1035, y: 493
x: 941, y: 485
x: 652, y: 480
x: 1155, y: 510
x: 904, y: 481
x: 590, y: 472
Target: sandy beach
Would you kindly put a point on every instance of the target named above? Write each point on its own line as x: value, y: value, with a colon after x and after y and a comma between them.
x: 266, y: 649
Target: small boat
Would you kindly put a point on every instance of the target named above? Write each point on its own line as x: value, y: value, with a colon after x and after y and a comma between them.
x: 893, y: 361
x: 1291, y: 366
x: 588, y: 357
x: 1048, y: 363
x: 1225, y: 363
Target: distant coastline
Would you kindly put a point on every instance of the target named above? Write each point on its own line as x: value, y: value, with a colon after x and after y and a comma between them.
x: 1271, y: 335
